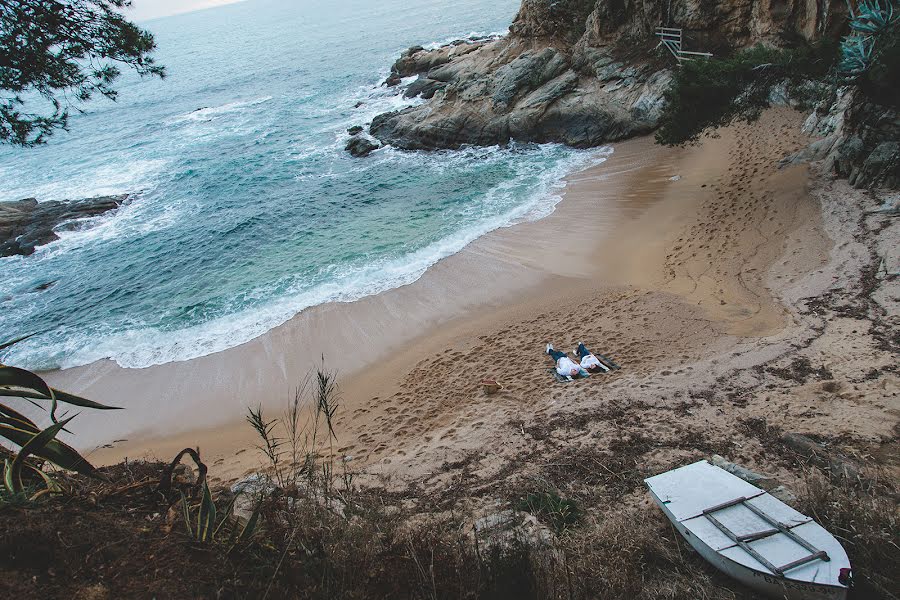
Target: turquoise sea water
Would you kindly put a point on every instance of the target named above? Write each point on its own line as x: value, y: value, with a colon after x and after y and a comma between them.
x: 248, y: 210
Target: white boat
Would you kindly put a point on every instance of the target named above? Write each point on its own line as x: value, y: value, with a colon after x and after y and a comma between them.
x: 752, y: 536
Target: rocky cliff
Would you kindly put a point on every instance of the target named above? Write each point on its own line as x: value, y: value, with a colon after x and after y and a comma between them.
x: 580, y: 72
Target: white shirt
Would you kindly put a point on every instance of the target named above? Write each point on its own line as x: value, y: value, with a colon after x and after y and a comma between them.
x: 592, y: 361
x: 565, y: 365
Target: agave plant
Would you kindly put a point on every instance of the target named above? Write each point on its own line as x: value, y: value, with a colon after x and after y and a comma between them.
x: 856, y: 54
x: 870, y: 20
x: 871, y: 17
x: 210, y: 521
x: 31, y: 439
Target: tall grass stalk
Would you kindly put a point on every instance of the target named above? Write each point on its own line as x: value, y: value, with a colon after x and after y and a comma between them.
x: 292, y: 443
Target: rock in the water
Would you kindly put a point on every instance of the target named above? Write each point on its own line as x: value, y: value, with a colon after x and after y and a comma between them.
x: 27, y: 224
x: 360, y: 146
x: 355, y: 130
x: 45, y: 285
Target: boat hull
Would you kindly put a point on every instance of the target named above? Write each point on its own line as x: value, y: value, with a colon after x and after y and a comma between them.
x: 783, y: 588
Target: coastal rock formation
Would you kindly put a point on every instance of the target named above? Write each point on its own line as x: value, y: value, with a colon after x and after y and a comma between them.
x: 26, y: 224
x: 858, y: 140
x: 360, y: 146
x: 501, y: 91
x: 579, y: 72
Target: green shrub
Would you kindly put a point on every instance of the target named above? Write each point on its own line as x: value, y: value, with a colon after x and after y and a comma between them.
x: 562, y: 513
x: 880, y: 82
x: 706, y: 94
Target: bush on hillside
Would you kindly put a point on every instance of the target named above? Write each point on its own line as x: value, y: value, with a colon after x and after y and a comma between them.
x: 880, y: 82
x: 707, y: 94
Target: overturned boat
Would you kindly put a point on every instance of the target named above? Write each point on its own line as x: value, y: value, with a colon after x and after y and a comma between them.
x: 752, y: 536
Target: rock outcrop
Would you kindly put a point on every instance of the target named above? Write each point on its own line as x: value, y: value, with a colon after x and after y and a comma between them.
x: 360, y: 146
x: 579, y: 72
x: 858, y: 140
x: 26, y: 224
x: 502, y: 91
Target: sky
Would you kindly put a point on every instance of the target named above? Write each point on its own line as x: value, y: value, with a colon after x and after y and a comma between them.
x: 142, y: 10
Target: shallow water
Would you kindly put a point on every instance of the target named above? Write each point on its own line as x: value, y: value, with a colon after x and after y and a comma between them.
x: 247, y: 210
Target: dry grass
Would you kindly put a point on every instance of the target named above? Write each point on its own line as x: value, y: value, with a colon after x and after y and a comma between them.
x: 865, y: 518
x: 362, y: 543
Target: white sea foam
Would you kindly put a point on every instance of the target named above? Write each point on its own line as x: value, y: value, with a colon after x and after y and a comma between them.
x: 208, y: 113
x: 145, y: 346
x: 476, y: 36
x: 138, y: 217
x: 122, y: 176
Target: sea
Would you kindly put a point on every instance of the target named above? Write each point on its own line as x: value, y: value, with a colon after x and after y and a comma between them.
x: 245, y: 208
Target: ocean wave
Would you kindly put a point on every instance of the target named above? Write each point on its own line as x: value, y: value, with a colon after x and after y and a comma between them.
x: 123, y: 176
x: 141, y: 346
x: 135, y: 218
x: 208, y: 113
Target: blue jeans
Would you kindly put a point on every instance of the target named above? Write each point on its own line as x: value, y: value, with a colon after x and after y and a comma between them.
x: 556, y: 355
x: 582, y: 351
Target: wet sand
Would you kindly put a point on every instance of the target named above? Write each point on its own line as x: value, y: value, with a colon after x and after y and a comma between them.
x: 672, y: 261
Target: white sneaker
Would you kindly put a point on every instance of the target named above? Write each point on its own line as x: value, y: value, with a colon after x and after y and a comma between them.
x: 549, y: 348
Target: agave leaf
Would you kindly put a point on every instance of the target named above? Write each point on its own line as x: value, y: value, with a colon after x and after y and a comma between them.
x: 225, y: 514
x: 62, y: 397
x: 39, y: 493
x: 206, y: 516
x: 20, y: 378
x: 250, y: 527
x: 6, y: 345
x: 35, y: 444
x: 7, y: 476
x: 55, y: 451
x: 51, y: 486
x: 16, y: 418
x: 186, y: 513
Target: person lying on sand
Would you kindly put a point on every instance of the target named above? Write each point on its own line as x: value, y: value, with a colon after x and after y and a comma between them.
x: 565, y: 366
x: 589, y: 362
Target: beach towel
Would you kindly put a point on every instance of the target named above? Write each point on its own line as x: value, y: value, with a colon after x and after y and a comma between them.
x: 608, y: 362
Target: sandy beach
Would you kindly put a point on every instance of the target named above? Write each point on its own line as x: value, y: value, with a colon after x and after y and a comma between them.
x: 689, y: 266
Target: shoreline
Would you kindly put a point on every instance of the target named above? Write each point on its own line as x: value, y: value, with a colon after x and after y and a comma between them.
x: 694, y: 282
x: 495, y: 270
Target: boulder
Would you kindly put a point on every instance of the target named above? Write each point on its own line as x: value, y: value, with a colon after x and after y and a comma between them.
x: 846, y: 154
x: 360, y: 146
x: 509, y: 529
x: 27, y: 224
x: 424, y: 87
x: 249, y: 492
x: 355, y: 130
x: 881, y: 167
x: 837, y: 464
